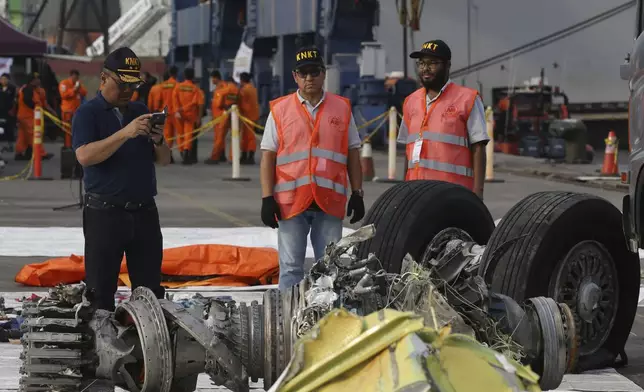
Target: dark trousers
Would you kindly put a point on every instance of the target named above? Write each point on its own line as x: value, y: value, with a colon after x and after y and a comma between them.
x: 112, y: 230
x: 9, y: 125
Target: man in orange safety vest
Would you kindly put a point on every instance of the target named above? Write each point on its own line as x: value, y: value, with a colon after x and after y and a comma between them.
x: 443, y: 125
x: 311, y: 152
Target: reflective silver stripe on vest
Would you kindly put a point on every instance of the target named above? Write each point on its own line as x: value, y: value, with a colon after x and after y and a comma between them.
x: 316, y: 152
x: 326, y: 183
x: 290, y: 158
x: 319, y: 181
x: 439, y: 137
x: 328, y: 154
x: 442, y: 166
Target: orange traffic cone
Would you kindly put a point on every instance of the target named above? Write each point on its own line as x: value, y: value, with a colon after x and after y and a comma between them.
x: 366, y: 161
x: 609, y: 168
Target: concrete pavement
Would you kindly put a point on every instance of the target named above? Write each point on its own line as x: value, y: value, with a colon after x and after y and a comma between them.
x: 582, y: 174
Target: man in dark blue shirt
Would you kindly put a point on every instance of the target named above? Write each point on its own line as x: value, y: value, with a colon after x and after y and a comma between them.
x: 117, y: 146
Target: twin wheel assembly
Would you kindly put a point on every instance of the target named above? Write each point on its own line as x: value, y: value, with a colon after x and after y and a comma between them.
x: 569, y: 247
x: 555, y: 277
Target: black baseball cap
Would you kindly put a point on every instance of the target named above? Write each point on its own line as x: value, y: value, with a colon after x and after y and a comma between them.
x: 308, y: 56
x: 436, y: 48
x: 125, y: 64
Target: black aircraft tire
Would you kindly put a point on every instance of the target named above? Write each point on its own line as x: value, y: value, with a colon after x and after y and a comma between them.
x: 546, y: 228
x: 409, y: 214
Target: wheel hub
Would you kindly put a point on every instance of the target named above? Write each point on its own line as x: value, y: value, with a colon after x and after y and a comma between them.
x: 586, y: 281
x: 441, y: 244
x: 588, y: 299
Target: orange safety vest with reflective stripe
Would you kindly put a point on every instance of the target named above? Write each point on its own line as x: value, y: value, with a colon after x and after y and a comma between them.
x: 445, y: 152
x: 311, y: 163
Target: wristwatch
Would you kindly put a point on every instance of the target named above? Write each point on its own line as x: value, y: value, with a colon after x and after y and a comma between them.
x: 358, y: 192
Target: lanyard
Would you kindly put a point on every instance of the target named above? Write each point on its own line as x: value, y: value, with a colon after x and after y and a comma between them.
x: 312, y: 124
x: 432, y: 105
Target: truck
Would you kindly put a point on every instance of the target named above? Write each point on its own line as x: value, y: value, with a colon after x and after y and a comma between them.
x: 632, y: 72
x: 523, y: 114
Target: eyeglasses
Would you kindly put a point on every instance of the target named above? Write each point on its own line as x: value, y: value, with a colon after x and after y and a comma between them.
x: 303, y: 73
x: 428, y: 63
x: 122, y: 85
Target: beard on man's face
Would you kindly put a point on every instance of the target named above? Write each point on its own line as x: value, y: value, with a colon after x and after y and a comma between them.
x: 433, y: 81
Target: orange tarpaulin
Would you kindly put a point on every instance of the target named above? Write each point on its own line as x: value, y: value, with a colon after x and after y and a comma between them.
x: 194, y: 265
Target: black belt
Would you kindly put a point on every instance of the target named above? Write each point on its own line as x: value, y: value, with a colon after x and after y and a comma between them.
x: 314, y: 207
x: 97, y: 201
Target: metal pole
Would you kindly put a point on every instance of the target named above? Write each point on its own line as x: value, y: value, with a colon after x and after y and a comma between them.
x: 106, y: 27
x: 405, y: 50
x: 235, y: 146
x: 469, y: 37
x: 206, y: 56
x: 476, y: 39
x: 210, y: 35
x: 403, y: 19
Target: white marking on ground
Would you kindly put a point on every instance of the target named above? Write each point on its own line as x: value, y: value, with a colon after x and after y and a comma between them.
x: 65, y: 241
x: 595, y: 381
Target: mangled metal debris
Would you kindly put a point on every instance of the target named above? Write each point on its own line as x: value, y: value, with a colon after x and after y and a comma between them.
x: 448, y: 292
x: 391, y: 350
x: 72, y: 346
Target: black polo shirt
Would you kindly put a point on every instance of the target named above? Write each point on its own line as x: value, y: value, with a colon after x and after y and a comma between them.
x: 129, y: 174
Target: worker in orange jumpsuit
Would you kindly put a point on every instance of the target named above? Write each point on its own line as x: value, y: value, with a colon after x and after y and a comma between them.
x: 71, y: 93
x: 29, y: 96
x: 224, y: 96
x: 189, y: 101
x: 154, y: 97
x: 170, y: 131
x: 249, y: 108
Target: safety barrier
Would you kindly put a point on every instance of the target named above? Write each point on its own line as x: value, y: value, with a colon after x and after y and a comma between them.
x: 235, y: 146
x: 610, y: 167
x: 35, y: 168
x: 391, y: 151
x: 489, y: 147
x: 236, y: 121
x: 366, y: 162
x: 37, y: 148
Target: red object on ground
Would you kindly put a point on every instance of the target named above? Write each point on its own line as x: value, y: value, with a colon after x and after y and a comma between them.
x: 207, y: 265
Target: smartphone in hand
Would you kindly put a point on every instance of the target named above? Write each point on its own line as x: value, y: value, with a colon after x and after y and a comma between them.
x: 158, y: 119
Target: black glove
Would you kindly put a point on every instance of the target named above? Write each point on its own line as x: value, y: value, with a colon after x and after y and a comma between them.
x: 271, y: 212
x: 355, y: 207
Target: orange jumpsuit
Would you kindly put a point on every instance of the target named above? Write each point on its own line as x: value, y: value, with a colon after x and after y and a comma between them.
x: 249, y: 108
x: 187, y: 98
x: 154, y: 98
x: 28, y: 98
x: 70, y: 101
x: 171, y: 125
x: 224, y: 97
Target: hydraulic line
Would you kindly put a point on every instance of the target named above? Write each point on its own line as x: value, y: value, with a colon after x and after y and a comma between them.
x: 541, y: 42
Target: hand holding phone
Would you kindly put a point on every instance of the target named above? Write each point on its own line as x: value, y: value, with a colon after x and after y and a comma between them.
x: 158, y: 119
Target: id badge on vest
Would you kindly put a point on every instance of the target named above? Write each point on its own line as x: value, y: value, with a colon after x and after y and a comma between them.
x: 418, y: 146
